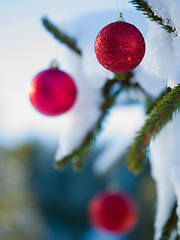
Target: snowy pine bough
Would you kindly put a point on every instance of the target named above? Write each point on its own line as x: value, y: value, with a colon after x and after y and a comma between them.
x: 156, y: 82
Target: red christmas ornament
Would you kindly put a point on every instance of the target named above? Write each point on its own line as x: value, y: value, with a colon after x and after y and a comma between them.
x: 119, y: 47
x: 52, y: 92
x: 115, y: 212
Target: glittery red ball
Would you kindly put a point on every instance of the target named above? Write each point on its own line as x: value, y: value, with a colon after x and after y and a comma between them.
x: 114, y: 212
x: 119, y: 47
x: 52, y: 92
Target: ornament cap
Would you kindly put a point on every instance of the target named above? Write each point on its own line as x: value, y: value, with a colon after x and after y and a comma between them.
x: 120, y: 17
x: 53, y: 64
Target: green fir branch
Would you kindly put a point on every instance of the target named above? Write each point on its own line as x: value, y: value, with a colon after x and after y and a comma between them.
x: 161, y: 114
x: 79, y: 154
x: 143, y: 6
x: 153, y: 103
x: 177, y: 237
x: 61, y: 36
x: 123, y: 76
x: 170, y: 225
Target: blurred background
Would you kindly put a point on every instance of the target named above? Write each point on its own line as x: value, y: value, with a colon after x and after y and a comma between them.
x: 37, y: 201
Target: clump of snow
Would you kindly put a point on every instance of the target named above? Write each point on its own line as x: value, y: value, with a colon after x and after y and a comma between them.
x: 117, y: 136
x: 176, y: 45
x: 161, y: 67
x: 165, y: 164
x: 161, y: 60
x: 175, y: 167
x: 159, y: 51
x: 168, y: 11
x: 150, y: 83
x: 174, y: 74
x: 161, y: 158
x: 160, y: 63
x: 83, y: 116
x: 161, y: 10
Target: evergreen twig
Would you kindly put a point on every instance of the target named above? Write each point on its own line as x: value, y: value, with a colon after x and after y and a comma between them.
x: 161, y: 114
x: 80, y: 153
x: 177, y: 237
x: 153, y: 103
x: 143, y: 6
x: 170, y: 225
x: 61, y: 36
x: 125, y: 80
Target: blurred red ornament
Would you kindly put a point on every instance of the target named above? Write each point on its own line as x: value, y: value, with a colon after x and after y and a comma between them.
x: 52, y: 92
x: 119, y: 47
x: 115, y: 212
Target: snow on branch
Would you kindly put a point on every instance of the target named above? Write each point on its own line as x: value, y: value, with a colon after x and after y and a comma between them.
x: 110, y: 92
x: 170, y: 225
x: 79, y: 154
x: 143, y: 6
x: 61, y: 36
x: 161, y: 114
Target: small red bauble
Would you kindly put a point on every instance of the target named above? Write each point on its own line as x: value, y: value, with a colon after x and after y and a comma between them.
x: 115, y: 212
x: 119, y: 47
x: 52, y: 92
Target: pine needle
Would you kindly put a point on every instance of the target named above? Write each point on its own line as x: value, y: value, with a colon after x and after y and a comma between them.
x: 61, y: 36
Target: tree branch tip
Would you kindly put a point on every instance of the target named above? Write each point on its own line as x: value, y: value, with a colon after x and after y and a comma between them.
x: 57, y: 165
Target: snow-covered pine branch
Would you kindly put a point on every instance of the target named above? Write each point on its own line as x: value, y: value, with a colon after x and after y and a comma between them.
x: 161, y: 114
x: 144, y: 6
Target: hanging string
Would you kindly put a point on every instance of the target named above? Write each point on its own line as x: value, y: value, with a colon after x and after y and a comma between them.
x: 123, y: 5
x: 120, y: 6
x: 117, y: 6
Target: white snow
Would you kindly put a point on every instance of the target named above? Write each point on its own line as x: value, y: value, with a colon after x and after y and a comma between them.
x: 151, y: 83
x: 83, y: 117
x: 161, y: 60
x: 119, y: 132
x: 161, y: 67
x: 161, y: 10
x: 175, y: 167
x: 165, y: 164
x: 174, y: 74
x: 159, y: 51
x: 161, y: 157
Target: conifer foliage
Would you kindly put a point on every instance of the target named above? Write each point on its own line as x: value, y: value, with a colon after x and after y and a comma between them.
x: 160, y: 111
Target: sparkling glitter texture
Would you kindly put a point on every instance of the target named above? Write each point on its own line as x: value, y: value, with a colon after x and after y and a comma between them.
x: 52, y: 92
x: 119, y: 47
x: 114, y: 212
